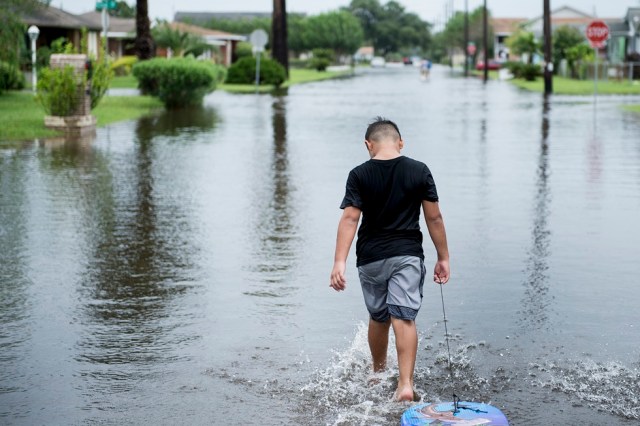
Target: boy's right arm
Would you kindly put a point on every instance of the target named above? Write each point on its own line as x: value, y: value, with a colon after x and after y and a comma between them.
x: 347, y: 228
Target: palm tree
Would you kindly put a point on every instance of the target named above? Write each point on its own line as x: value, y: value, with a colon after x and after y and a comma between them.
x: 279, y: 47
x: 181, y: 43
x: 145, y: 47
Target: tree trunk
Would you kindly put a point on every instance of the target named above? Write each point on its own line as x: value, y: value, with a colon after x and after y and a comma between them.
x: 145, y: 47
x: 279, y: 47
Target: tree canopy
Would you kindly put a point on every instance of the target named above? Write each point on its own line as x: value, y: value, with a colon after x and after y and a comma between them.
x: 181, y: 43
x: 338, y: 30
x: 453, y: 34
x: 122, y: 10
x: 389, y: 27
x: 13, y: 29
x: 524, y: 42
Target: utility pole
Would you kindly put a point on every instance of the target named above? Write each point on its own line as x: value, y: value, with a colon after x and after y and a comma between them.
x: 548, y: 60
x: 279, y: 47
x: 466, y: 38
x: 485, y: 41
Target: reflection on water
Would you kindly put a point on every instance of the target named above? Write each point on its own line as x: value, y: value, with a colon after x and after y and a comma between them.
x: 14, y: 281
x: 536, y: 300
x: 180, y: 122
x: 139, y: 261
x: 275, y: 228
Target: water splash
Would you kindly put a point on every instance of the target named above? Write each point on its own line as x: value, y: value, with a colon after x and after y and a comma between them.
x: 609, y: 387
x: 347, y: 392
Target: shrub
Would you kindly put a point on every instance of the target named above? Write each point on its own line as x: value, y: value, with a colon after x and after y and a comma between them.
x: 10, y: 77
x: 515, y: 68
x: 244, y: 72
x: 244, y: 49
x: 321, y: 59
x: 176, y: 82
x: 531, y: 71
x: 124, y: 65
x: 57, y: 91
x: 100, y: 80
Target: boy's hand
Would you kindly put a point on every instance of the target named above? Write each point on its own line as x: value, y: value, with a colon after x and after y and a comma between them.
x: 441, y: 272
x: 338, y: 281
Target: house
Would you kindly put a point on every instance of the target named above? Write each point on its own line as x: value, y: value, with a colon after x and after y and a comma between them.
x: 55, y: 23
x: 624, y: 37
x: 121, y: 33
x: 364, y: 54
x: 624, y: 33
x: 227, y: 42
x: 502, y: 29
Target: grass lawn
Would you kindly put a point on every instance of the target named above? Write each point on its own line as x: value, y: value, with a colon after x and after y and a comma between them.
x: 21, y: 117
x: 632, y: 108
x: 124, y: 82
x: 567, y: 86
x: 118, y: 108
x: 296, y: 76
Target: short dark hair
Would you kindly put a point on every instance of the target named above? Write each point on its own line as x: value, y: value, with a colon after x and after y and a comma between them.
x: 382, y: 128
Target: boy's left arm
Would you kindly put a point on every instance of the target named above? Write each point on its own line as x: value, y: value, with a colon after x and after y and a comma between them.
x: 435, y: 225
x: 347, y: 228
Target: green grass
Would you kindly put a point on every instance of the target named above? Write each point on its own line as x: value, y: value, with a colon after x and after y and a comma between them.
x: 567, y: 86
x: 124, y: 82
x: 118, y: 108
x: 296, y: 76
x: 21, y: 117
x: 632, y: 108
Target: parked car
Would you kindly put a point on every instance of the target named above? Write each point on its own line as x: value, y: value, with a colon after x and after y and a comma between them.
x: 493, y: 65
x: 378, y: 62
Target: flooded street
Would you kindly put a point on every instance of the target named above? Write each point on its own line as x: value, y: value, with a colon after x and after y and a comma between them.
x: 175, y: 269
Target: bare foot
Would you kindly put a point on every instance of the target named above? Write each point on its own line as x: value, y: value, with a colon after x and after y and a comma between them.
x: 405, y: 393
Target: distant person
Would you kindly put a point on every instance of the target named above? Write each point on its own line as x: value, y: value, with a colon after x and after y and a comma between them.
x: 388, y: 191
x: 425, y: 69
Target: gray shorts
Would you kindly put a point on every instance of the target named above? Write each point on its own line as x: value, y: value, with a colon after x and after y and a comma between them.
x: 393, y: 287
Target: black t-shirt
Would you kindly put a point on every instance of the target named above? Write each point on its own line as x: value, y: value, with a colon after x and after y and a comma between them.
x: 390, y: 194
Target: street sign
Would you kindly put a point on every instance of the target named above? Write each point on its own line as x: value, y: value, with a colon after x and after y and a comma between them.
x: 106, y: 4
x: 259, y: 39
x: 597, y: 32
x: 471, y: 48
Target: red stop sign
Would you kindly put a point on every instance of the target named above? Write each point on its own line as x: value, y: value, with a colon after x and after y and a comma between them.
x: 597, y: 32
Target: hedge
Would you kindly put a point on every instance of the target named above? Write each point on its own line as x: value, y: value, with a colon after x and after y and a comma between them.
x: 243, y: 71
x: 177, y: 82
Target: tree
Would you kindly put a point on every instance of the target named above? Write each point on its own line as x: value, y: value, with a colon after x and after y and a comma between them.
x: 181, y: 43
x: 279, y: 46
x: 390, y: 28
x: 565, y: 38
x: 453, y: 34
x: 524, y: 42
x: 122, y: 10
x: 339, y: 31
x: 13, y: 29
x: 145, y: 47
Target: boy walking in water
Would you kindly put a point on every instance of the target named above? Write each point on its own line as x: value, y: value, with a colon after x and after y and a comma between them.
x: 388, y: 191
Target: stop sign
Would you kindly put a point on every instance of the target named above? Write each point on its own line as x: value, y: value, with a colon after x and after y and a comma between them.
x: 597, y: 32
x: 471, y: 48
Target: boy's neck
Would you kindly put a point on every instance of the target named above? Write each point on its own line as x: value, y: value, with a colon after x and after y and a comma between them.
x: 385, y: 150
x: 386, y: 154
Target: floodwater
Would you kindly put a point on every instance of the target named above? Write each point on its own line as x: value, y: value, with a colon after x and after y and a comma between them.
x: 175, y: 269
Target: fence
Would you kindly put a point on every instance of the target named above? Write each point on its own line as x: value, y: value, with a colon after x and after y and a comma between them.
x: 606, y: 71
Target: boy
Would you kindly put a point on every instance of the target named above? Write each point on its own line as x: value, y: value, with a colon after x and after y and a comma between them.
x: 388, y: 191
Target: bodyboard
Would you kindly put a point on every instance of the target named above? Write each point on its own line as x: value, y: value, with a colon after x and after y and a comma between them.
x: 442, y: 413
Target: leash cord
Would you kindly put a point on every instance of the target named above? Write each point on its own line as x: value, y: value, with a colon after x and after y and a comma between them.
x: 446, y: 334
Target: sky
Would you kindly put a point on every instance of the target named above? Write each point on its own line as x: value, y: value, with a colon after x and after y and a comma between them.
x: 429, y: 10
